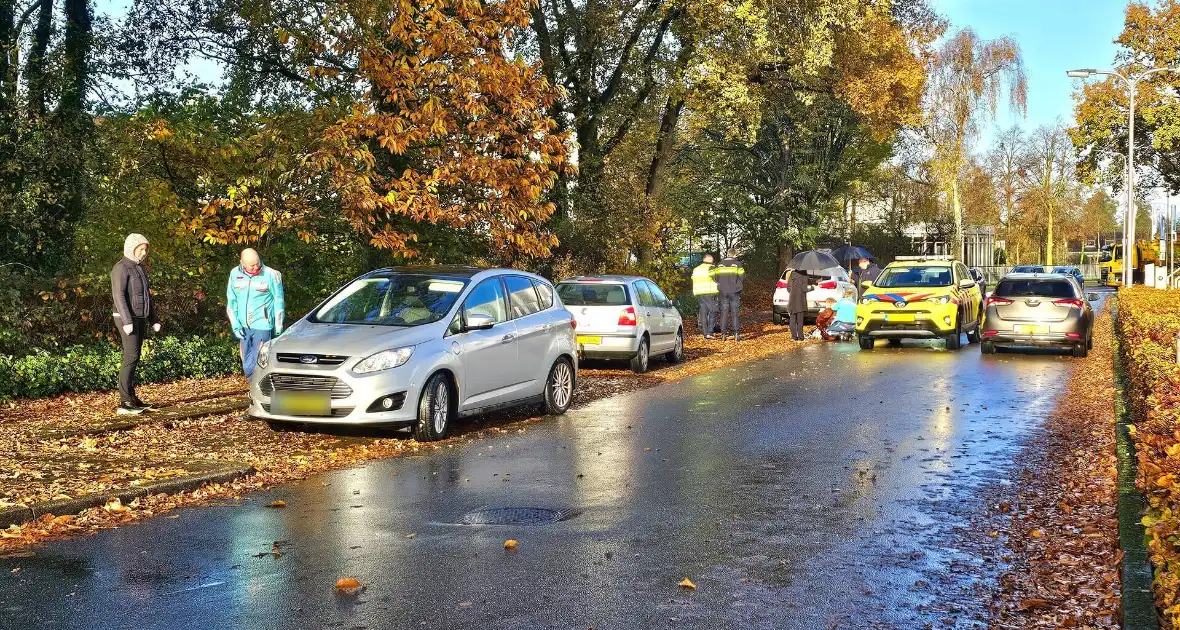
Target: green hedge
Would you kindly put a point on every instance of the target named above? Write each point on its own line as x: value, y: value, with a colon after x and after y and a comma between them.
x: 95, y: 367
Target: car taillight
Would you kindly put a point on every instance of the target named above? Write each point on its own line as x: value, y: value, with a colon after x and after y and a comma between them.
x: 627, y: 316
x: 782, y: 284
x: 1074, y: 335
x: 989, y: 333
x: 830, y: 284
x: 574, y: 324
x: 996, y: 300
x: 1068, y: 302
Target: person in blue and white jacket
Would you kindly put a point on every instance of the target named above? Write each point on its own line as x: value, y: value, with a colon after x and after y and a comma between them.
x: 254, y: 303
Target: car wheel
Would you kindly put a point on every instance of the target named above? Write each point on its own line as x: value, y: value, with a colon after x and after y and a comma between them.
x: 974, y: 336
x: 1081, y: 351
x: 639, y: 361
x: 1090, y: 342
x: 954, y: 341
x: 559, y: 387
x: 866, y: 343
x: 987, y: 347
x: 434, y: 410
x: 676, y: 355
x: 895, y: 343
x: 777, y: 319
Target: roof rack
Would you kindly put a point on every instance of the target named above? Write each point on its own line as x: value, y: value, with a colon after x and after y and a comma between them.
x: 925, y: 258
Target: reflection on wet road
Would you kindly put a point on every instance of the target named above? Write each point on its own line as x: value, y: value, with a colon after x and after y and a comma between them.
x: 821, y: 487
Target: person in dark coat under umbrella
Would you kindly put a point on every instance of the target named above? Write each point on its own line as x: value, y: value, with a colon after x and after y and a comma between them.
x: 866, y: 270
x: 798, y: 284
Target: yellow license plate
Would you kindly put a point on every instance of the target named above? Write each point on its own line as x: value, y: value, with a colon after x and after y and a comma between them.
x: 1029, y: 329
x: 589, y: 339
x: 301, y: 404
x: 899, y: 317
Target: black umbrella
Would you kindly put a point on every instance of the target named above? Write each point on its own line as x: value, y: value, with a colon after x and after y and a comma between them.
x: 850, y: 252
x: 813, y: 261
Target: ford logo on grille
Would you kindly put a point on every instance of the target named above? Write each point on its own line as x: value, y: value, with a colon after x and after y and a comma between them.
x: 899, y: 304
x: 309, y: 358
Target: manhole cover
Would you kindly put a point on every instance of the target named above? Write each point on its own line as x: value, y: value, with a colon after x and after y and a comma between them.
x: 527, y: 516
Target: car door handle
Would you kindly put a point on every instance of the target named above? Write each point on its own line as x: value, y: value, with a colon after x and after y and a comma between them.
x: 508, y: 338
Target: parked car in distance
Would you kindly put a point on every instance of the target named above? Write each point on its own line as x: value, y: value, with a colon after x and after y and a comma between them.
x: 623, y: 317
x: 1073, y: 272
x: 1038, y: 310
x: 1028, y: 269
x: 829, y: 283
x: 419, y: 347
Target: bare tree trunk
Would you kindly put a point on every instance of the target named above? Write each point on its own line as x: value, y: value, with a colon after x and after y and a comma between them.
x: 957, y: 207
x: 35, y: 68
x: 7, y: 48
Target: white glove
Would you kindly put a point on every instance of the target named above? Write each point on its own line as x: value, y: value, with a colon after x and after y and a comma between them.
x: 156, y: 327
x: 127, y: 329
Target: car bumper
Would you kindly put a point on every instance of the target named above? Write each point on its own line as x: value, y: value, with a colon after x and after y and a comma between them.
x: 353, y: 409
x: 1014, y: 339
x: 609, y: 346
x: 933, y: 320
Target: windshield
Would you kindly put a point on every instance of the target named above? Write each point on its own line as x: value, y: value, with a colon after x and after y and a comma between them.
x: 1035, y: 288
x: 593, y: 294
x: 392, y: 300
x: 1070, y: 270
x: 925, y: 276
x: 1104, y: 257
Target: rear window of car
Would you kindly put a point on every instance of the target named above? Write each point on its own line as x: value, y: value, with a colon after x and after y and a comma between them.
x: 1028, y: 269
x: 1035, y: 288
x: 593, y: 294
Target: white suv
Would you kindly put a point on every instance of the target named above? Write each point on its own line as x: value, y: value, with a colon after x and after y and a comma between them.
x: 623, y: 317
x: 419, y: 346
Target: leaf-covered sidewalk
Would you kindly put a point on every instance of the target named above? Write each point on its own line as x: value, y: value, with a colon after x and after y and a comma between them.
x: 74, y: 445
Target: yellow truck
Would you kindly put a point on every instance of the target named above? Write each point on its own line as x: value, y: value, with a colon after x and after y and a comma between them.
x: 1111, y: 261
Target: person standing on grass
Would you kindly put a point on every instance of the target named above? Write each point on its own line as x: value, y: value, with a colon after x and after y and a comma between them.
x: 704, y: 288
x: 729, y: 275
x: 254, y: 303
x: 134, y: 312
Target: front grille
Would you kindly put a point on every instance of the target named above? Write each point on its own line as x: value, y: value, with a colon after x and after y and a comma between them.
x: 337, y: 412
x: 320, y: 359
x: 305, y: 383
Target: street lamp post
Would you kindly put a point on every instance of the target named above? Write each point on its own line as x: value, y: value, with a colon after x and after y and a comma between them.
x: 1129, y: 217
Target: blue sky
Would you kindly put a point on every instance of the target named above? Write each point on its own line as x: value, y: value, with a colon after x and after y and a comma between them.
x: 1054, y: 36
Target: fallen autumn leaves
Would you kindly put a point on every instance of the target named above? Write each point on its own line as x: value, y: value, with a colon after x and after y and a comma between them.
x: 1062, y: 529
x: 35, y: 468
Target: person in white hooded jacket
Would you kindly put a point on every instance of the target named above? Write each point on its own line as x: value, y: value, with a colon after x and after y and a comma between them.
x: 134, y: 312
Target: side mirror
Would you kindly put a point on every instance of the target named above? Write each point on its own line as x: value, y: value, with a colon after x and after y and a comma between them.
x: 479, y: 321
x: 866, y: 284
x: 966, y: 283
x: 1092, y: 297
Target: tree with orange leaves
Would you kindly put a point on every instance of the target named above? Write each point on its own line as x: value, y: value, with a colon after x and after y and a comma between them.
x: 450, y: 131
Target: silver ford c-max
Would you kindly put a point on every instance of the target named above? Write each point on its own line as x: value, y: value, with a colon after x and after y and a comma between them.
x: 418, y: 347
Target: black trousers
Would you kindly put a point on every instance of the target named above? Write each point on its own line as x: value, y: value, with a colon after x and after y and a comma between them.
x: 707, y: 318
x: 731, y: 303
x: 132, y: 346
x: 797, y: 326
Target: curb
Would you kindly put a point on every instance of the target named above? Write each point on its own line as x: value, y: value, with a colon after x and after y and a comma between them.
x: 1138, y: 598
x: 24, y: 513
x: 165, y: 415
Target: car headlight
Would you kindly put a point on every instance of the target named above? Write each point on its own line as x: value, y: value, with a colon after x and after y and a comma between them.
x: 866, y: 301
x: 264, y: 354
x: 385, y: 360
x: 939, y: 300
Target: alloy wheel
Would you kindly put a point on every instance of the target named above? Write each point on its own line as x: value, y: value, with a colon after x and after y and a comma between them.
x: 562, y: 384
x: 441, y: 407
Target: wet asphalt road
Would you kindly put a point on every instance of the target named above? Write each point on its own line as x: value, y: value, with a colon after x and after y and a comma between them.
x: 822, y: 488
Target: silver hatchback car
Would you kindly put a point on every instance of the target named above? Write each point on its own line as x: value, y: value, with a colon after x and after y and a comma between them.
x: 624, y: 317
x: 1035, y: 309
x: 418, y: 347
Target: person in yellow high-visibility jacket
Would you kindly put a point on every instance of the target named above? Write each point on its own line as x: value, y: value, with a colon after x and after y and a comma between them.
x: 729, y: 276
x: 704, y: 288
